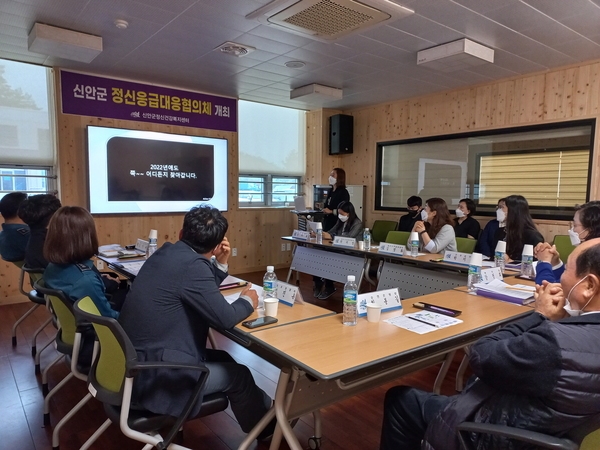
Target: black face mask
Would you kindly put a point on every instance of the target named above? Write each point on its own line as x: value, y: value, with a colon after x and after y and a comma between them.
x: 415, y: 214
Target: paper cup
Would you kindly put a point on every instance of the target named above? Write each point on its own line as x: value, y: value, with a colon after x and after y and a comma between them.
x: 361, y: 245
x: 271, y: 305
x: 476, y: 259
x: 528, y: 250
x: 501, y: 246
x: 319, y: 226
x: 153, y: 234
x: 373, y: 312
x: 414, y: 236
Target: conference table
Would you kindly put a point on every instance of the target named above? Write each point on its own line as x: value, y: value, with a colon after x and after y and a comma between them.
x: 323, y: 361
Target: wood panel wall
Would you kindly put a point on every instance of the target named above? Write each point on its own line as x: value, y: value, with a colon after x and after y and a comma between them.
x: 571, y: 93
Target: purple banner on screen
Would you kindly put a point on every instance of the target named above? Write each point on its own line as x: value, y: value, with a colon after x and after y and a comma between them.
x: 88, y: 95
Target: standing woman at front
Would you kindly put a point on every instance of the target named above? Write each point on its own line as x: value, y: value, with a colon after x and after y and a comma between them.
x: 339, y: 194
x: 436, y: 230
x: 519, y: 230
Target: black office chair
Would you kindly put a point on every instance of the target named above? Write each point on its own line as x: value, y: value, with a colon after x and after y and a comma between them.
x: 538, y: 440
x: 111, y: 381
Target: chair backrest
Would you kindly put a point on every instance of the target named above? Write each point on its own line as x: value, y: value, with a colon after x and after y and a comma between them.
x: 563, y: 245
x: 397, y: 237
x: 19, y: 264
x: 381, y: 228
x: 35, y: 274
x: 591, y: 441
x: 109, y: 369
x: 465, y: 245
x: 63, y: 308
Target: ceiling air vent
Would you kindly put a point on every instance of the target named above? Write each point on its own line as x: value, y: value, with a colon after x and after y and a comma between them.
x: 231, y: 48
x: 328, y: 20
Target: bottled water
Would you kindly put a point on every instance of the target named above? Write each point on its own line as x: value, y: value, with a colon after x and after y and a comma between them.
x: 152, y: 242
x: 527, y: 266
x: 414, y: 244
x: 350, y: 307
x: 474, y: 277
x: 319, y: 233
x: 499, y: 260
x: 527, y: 261
x: 367, y: 239
x: 270, y: 283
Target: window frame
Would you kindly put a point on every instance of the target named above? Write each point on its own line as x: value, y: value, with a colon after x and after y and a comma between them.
x: 51, y: 178
x: 267, y: 190
x: 537, y: 212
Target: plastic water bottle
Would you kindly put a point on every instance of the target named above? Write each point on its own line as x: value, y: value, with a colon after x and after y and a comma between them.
x: 474, y: 271
x: 319, y: 233
x: 414, y: 244
x: 367, y: 239
x: 152, y: 242
x: 350, y: 296
x: 499, y: 255
x: 270, y: 283
x: 527, y: 261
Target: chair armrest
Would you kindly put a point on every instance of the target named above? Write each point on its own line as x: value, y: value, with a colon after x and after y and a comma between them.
x: 531, y: 437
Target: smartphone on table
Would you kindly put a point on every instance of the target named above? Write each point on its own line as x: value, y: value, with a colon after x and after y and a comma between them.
x: 260, y: 322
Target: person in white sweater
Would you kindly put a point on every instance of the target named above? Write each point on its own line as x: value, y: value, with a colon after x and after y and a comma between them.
x: 436, y: 230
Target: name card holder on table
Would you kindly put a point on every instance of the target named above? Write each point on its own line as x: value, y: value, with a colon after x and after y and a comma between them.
x: 388, y: 299
x: 457, y: 258
x: 302, y: 235
x: 493, y: 273
x: 392, y: 249
x: 288, y: 293
x: 340, y: 241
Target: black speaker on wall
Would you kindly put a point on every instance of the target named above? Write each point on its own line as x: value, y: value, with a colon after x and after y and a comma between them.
x: 341, y: 130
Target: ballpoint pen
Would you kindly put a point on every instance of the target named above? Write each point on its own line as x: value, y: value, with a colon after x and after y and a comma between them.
x: 422, y: 321
x: 233, y: 285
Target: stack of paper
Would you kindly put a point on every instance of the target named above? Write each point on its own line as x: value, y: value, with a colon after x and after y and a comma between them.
x: 499, y: 290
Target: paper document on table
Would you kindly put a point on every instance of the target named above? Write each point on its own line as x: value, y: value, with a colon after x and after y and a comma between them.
x: 132, y: 267
x: 259, y: 291
x: 109, y: 250
x: 423, y: 321
x: 520, y: 294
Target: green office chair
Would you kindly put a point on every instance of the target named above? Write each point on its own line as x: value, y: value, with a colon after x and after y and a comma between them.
x: 68, y: 343
x: 465, y: 245
x: 37, y: 300
x: 587, y: 434
x: 381, y: 228
x: 111, y: 381
x: 563, y: 245
x: 398, y: 237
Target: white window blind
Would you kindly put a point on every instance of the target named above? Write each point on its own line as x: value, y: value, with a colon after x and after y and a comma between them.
x: 271, y: 139
x: 25, y: 115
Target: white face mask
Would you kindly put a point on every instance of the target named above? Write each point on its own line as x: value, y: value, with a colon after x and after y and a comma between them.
x: 575, y: 239
x: 575, y: 312
x: 459, y: 213
x: 332, y: 180
x: 343, y: 218
x: 500, y: 216
x: 424, y: 215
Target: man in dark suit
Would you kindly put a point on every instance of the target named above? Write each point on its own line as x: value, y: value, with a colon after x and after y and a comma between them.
x: 167, y: 314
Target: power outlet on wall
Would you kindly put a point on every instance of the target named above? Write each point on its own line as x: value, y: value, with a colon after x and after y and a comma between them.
x: 283, y: 247
x: 234, y: 251
x: 99, y: 264
x: 288, y: 246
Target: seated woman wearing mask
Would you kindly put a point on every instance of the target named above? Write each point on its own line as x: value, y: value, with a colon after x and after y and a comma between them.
x: 347, y: 225
x: 519, y: 230
x: 436, y: 232
x: 586, y: 225
x: 485, y: 243
x: 465, y: 225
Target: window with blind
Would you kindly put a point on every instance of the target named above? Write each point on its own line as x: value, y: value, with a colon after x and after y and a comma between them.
x: 272, y: 154
x: 26, y: 142
x: 548, y: 165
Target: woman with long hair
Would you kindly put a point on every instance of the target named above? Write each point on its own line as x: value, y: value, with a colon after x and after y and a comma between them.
x: 486, y: 241
x: 519, y: 230
x: 337, y: 195
x: 586, y: 225
x: 70, y: 244
x: 436, y: 230
x: 347, y: 225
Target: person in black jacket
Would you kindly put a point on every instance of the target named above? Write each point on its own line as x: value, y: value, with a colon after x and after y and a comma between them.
x: 414, y: 205
x: 36, y: 212
x: 339, y: 194
x: 538, y: 373
x: 465, y: 226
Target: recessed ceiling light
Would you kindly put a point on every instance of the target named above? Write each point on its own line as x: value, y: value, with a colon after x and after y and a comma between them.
x: 121, y: 24
x: 234, y: 49
x: 294, y: 64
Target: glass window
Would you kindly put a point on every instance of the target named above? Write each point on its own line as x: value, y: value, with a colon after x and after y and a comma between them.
x: 267, y: 190
x: 548, y: 165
